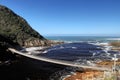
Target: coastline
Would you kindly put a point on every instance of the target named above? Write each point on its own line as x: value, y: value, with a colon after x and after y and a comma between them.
x: 32, y: 75
x: 95, y: 74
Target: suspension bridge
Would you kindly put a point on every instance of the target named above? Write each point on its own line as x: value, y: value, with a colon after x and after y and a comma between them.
x: 61, y: 62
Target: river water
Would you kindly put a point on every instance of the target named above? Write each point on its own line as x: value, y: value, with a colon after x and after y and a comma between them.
x: 83, y: 50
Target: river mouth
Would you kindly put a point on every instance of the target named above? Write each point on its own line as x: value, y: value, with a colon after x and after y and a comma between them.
x: 82, y: 53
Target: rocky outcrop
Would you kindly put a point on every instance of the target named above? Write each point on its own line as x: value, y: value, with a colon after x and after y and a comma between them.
x: 38, y: 42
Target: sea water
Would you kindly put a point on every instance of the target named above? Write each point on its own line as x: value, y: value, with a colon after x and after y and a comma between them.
x: 84, y: 38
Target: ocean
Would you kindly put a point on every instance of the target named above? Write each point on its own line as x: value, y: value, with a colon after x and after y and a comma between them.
x: 84, y: 38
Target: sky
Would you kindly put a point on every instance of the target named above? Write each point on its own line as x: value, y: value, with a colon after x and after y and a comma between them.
x: 69, y: 17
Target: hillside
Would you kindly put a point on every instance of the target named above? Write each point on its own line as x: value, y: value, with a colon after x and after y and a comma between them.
x: 16, y: 29
x: 15, y: 32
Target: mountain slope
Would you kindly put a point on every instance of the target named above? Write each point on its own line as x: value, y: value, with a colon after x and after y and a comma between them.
x: 17, y: 29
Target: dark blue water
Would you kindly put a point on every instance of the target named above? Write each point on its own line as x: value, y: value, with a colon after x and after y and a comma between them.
x: 79, y: 46
x: 80, y: 53
x: 75, y: 51
x: 80, y: 50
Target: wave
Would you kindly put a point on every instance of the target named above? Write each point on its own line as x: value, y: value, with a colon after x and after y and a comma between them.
x: 113, y: 39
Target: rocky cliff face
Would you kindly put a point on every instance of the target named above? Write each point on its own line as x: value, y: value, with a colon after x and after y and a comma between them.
x: 16, y: 29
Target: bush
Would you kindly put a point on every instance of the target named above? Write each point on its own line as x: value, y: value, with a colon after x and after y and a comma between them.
x: 15, y: 27
x: 115, y: 44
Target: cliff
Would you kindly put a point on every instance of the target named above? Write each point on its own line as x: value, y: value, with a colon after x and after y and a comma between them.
x: 16, y: 29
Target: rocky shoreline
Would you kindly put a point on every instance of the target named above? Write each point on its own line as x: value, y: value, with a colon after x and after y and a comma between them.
x: 89, y: 74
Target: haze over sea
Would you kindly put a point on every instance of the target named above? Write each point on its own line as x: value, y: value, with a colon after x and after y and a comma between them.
x: 84, y: 38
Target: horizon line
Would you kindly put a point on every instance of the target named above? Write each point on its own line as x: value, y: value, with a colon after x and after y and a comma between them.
x: 81, y: 34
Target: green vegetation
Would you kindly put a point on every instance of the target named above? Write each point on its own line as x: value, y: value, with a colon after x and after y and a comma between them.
x: 14, y: 32
x: 16, y: 28
x: 110, y: 78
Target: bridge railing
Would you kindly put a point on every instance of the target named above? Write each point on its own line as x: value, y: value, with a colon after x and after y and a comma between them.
x: 61, y: 62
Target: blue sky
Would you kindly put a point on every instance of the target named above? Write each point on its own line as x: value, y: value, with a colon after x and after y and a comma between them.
x: 69, y: 17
